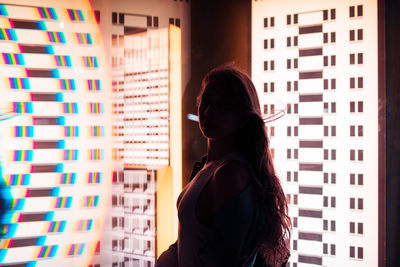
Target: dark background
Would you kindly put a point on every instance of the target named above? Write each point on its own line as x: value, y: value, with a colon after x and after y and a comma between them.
x: 221, y: 33
x: 392, y: 90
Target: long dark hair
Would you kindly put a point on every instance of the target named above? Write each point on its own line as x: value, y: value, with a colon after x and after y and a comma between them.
x: 254, y: 144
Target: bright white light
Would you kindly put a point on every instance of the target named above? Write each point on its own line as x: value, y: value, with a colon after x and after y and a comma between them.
x: 193, y: 117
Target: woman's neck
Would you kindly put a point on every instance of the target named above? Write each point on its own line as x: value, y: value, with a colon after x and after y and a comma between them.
x: 217, y: 148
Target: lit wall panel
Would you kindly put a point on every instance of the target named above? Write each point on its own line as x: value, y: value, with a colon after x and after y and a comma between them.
x: 324, y: 65
x: 55, y: 133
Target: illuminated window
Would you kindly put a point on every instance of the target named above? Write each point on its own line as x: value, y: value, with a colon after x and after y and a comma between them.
x: 359, y: 132
x: 352, y: 38
x: 359, y: 10
x: 271, y: 65
x: 360, y: 253
x: 332, y: 107
x: 331, y: 62
x: 352, y: 13
x: 360, y: 154
x: 352, y: 252
x: 329, y: 38
x: 360, y: 203
x: 333, y: 37
x: 359, y: 181
x: 332, y: 14
x: 271, y: 22
x: 332, y: 249
x: 360, y: 58
x: 325, y: 225
x: 330, y: 202
x: 271, y: 43
x: 295, y: 108
x: 155, y: 21
x: 294, y: 221
x: 359, y: 106
x: 292, y: 19
x: 331, y: 85
x: 352, y: 227
x: 360, y: 228
x: 360, y: 82
x: 325, y: 177
x: 352, y: 203
x: 292, y: 62
x: 333, y: 130
x: 359, y: 36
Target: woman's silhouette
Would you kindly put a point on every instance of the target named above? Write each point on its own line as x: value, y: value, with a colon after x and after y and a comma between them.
x: 233, y: 212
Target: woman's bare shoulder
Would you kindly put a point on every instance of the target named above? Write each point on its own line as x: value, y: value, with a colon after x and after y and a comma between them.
x: 231, y: 178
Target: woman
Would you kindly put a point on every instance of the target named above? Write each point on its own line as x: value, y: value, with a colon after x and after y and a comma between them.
x: 233, y: 212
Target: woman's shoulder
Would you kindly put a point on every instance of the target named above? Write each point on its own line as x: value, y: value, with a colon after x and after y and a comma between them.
x: 230, y: 179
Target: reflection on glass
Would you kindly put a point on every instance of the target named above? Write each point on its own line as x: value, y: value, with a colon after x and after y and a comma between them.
x: 55, y: 133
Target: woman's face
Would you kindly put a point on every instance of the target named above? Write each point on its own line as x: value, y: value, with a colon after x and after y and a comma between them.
x: 219, y: 114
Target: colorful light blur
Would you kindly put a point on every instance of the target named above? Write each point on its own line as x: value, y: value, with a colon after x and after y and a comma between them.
x: 55, y: 133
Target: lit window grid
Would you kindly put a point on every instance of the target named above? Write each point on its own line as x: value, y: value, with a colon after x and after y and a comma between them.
x: 331, y: 120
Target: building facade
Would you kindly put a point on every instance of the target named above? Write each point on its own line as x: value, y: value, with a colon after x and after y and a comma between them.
x: 317, y: 61
x: 148, y: 44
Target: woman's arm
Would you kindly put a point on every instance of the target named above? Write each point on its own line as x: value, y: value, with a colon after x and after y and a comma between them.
x: 168, y: 258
